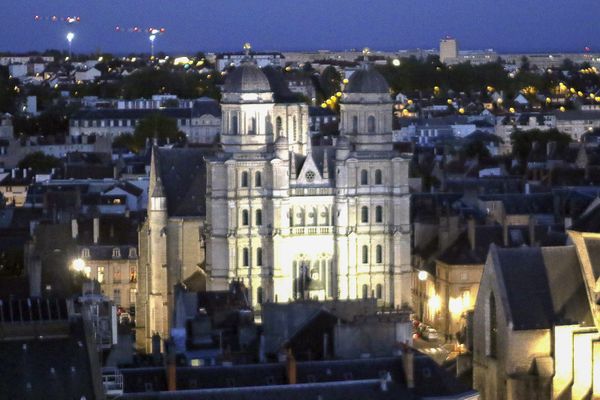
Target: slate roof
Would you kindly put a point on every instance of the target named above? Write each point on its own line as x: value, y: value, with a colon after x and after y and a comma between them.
x: 199, y: 108
x: 331, y: 379
x: 49, y: 368
x: 183, y: 176
x: 527, y: 290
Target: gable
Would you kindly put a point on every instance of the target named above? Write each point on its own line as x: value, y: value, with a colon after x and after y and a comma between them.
x: 309, y: 173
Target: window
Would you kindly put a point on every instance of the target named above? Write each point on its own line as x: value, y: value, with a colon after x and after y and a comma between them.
x: 257, y: 179
x: 245, y: 257
x: 379, y: 214
x: 85, y: 253
x: 252, y: 130
x: 132, y: 252
x: 259, y: 256
x: 132, y: 273
x: 355, y: 124
x: 259, y: 295
x: 278, y: 126
x: 378, y: 177
x: 365, y: 255
x: 234, y: 124
x: 100, y: 274
x: 379, y: 291
x: 245, y: 217
x: 244, y: 179
x: 364, y: 177
x: 378, y: 254
x: 364, y: 214
x: 116, y: 253
x: 365, y: 291
x: 492, y: 327
x: 371, y: 124
x: 117, y: 296
x: 258, y: 217
x: 132, y: 295
x: 116, y: 274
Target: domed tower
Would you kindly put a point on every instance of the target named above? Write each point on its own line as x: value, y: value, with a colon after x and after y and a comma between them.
x: 366, y: 109
x: 247, y: 108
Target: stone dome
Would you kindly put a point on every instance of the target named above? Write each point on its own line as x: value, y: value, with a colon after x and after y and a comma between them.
x: 247, y: 78
x: 367, y: 80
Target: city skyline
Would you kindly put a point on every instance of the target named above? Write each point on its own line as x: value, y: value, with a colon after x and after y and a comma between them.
x: 310, y: 25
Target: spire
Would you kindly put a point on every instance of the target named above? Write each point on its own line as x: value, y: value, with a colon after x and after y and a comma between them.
x: 365, y: 62
x: 247, y: 48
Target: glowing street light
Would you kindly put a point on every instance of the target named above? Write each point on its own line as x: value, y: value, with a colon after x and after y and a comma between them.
x: 78, y: 264
x: 70, y: 37
x: 152, y: 39
x: 422, y: 275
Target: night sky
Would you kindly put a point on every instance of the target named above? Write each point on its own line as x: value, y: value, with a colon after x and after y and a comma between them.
x: 218, y: 25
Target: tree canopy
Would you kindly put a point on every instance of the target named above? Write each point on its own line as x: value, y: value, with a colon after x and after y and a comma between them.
x: 40, y: 163
x: 522, y: 141
x: 155, y: 126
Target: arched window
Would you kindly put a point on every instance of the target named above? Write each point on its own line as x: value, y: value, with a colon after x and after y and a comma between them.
x: 259, y: 256
x: 244, y: 179
x: 234, y: 124
x: 258, y: 218
x: 245, y: 257
x: 371, y: 124
x: 355, y: 124
x: 258, y: 179
x: 259, y: 295
x: 278, y: 126
x: 365, y: 291
x: 245, y: 217
x: 492, y: 327
x: 379, y: 291
x: 365, y: 255
x: 379, y: 214
x: 252, y: 129
x: 364, y: 214
x: 378, y: 254
x: 364, y: 177
x: 378, y: 177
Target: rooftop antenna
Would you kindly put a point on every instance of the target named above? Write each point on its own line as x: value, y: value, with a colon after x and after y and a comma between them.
x: 247, y: 48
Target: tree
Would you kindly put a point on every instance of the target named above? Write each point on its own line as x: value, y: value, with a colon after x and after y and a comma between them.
x: 330, y: 83
x: 156, y: 127
x: 40, y: 163
x: 522, y: 141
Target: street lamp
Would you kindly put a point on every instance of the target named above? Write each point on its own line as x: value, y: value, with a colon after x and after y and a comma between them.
x: 70, y: 37
x: 152, y: 39
x: 79, y: 266
x: 422, y: 275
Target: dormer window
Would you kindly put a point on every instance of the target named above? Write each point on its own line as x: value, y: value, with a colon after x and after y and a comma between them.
x: 116, y: 253
x: 85, y: 253
x: 132, y: 252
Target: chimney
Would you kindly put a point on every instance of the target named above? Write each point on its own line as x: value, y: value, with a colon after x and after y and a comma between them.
x: 13, y: 173
x: 471, y: 232
x: 96, y: 230
x: 290, y: 368
x: 531, y: 231
x: 171, y: 366
x: 74, y: 228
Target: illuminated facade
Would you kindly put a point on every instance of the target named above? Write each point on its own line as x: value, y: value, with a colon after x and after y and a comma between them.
x: 535, y: 333
x: 293, y: 221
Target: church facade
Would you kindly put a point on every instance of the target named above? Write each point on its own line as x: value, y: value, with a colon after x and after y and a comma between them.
x: 291, y: 220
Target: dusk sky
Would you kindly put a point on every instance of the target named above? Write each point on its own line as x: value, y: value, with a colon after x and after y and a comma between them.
x: 217, y: 25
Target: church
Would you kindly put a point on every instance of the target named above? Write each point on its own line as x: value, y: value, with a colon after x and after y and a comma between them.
x: 290, y: 220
